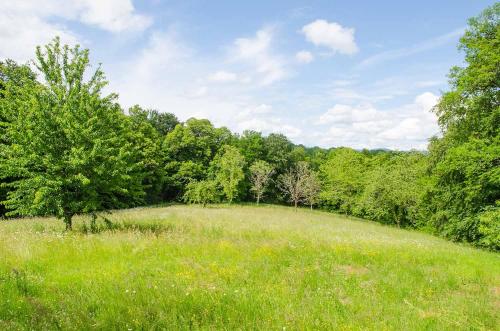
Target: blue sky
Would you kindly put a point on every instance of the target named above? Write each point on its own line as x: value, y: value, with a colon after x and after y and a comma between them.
x: 328, y: 73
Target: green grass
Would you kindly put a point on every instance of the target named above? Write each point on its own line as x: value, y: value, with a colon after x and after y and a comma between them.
x: 241, y: 267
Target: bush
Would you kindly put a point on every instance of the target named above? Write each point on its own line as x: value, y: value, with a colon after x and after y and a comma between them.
x: 202, y: 192
x: 489, y: 228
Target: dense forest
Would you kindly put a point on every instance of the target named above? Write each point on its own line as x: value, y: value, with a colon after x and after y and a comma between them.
x: 67, y: 148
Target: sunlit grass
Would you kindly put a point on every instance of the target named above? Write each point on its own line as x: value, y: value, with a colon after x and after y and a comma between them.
x: 240, y: 267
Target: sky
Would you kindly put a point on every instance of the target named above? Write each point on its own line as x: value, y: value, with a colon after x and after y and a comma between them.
x: 362, y: 74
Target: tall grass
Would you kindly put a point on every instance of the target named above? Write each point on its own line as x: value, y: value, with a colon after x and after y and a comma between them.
x: 240, y: 267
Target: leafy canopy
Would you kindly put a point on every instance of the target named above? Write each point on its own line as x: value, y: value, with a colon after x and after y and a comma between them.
x: 228, y: 166
x: 68, y: 146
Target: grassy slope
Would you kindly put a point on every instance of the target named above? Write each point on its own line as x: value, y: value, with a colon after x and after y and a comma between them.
x: 242, y: 267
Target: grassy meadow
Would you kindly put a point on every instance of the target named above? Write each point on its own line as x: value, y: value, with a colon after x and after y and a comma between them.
x: 240, y: 267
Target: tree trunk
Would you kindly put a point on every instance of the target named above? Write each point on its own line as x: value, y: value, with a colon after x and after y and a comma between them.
x: 258, y: 198
x: 68, y: 220
x: 295, y: 202
x: 394, y: 212
x: 311, y: 206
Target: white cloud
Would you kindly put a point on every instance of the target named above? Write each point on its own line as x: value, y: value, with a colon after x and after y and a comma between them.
x: 165, y: 75
x: 25, y: 24
x: 413, y: 49
x: 331, y: 35
x: 168, y: 74
x: 163, y: 50
x: 426, y: 101
x: 304, y: 57
x: 223, y: 76
x: 348, y: 114
x: 20, y: 34
x: 252, y: 112
x: 111, y: 15
x: 364, y: 126
x: 261, y: 118
x: 257, y: 51
x: 269, y: 125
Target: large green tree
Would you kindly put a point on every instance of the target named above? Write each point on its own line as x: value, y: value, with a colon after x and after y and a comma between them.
x: 228, y: 169
x: 465, y: 162
x: 202, y: 192
x: 188, y: 151
x: 147, y: 142
x: 68, y: 146
x: 344, y: 178
x: 163, y: 123
x: 394, y: 191
x: 251, y: 145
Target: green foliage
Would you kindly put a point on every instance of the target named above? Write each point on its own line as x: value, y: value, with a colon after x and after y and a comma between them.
x: 278, y: 149
x: 147, y: 142
x: 472, y: 107
x: 394, y: 191
x: 344, y: 180
x: 68, y: 147
x: 251, y: 145
x: 489, y: 228
x: 13, y: 78
x: 65, y: 149
x: 228, y: 168
x: 163, y: 123
x: 466, y: 182
x: 465, y: 161
x: 201, y: 192
x: 188, y: 150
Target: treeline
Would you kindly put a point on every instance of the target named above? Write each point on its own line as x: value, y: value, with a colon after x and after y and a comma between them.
x: 65, y: 148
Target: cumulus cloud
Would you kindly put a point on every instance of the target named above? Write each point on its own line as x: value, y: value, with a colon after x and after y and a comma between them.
x: 269, y: 125
x: 163, y: 49
x: 20, y: 34
x: 252, y: 112
x: 111, y: 15
x: 346, y: 114
x: 414, y: 124
x: 263, y: 118
x: 426, y: 101
x: 165, y: 75
x: 332, y: 35
x: 168, y: 75
x: 257, y: 51
x: 405, y: 127
x: 304, y: 57
x: 25, y: 24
